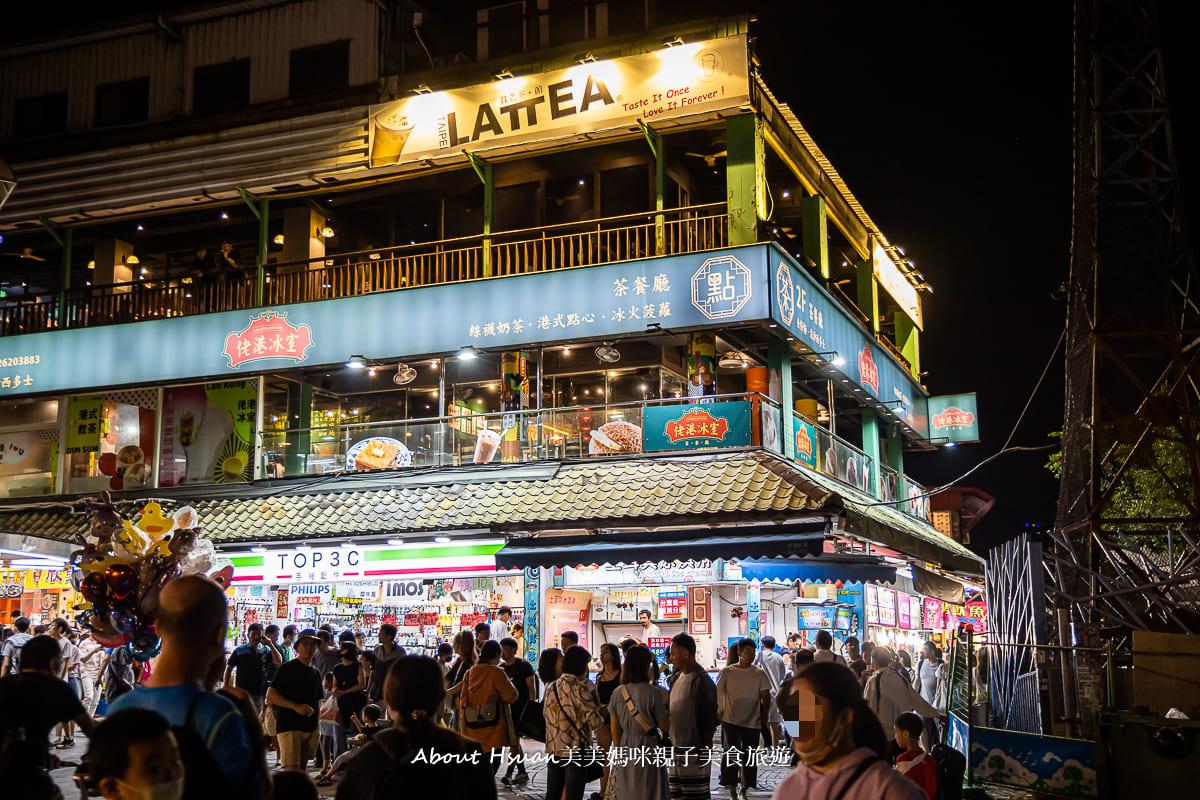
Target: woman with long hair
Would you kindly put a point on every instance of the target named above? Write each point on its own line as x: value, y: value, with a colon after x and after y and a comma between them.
x: 606, y: 683
x: 839, y: 740
x: 639, y: 722
x: 572, y: 710
x: 417, y: 756
x: 485, y: 692
x: 549, y: 666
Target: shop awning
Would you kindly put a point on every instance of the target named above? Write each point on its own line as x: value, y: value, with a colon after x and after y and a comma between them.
x: 817, y: 570
x: 575, y: 551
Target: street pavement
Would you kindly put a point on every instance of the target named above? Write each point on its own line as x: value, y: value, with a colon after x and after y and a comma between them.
x: 768, y: 778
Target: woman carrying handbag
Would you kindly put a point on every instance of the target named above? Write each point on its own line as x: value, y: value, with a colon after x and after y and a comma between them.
x: 484, y: 699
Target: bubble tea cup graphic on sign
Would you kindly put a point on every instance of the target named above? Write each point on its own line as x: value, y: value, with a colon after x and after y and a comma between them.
x: 392, y: 130
x: 485, y: 445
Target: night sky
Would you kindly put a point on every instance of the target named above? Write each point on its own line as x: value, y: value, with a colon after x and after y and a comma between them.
x: 951, y: 122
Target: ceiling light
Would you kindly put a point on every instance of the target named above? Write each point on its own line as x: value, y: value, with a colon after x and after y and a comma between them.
x: 346, y: 544
x: 131, y: 259
x: 566, y: 351
x: 325, y: 232
x: 224, y: 215
x: 258, y: 549
x: 468, y: 353
x: 356, y: 362
x: 91, y: 265
x: 371, y: 372
x: 395, y: 541
x: 279, y: 238
x: 442, y: 539
x: 141, y: 228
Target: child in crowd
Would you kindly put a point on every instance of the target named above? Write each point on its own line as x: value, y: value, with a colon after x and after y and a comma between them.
x: 331, y: 732
x: 914, y: 763
x: 367, y: 727
x: 133, y: 755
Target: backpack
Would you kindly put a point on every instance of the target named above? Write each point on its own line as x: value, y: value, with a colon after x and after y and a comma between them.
x: 205, y: 777
x: 951, y: 766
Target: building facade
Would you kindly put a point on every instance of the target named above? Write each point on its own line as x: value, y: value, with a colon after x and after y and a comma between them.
x: 557, y: 308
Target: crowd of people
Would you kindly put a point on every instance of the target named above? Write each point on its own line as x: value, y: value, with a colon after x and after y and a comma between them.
x: 289, y: 711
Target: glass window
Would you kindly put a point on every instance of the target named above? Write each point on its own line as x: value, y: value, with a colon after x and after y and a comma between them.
x: 28, y: 411
x: 28, y: 461
x: 109, y: 440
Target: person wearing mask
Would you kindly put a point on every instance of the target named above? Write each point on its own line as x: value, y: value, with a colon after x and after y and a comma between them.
x: 889, y: 695
x: 35, y: 699
x: 743, y: 700
x: 350, y: 679
x: 410, y: 759
x: 134, y: 756
x: 386, y: 653
x: 824, y: 652
x: 11, y: 662
x: 296, y: 695
x: 499, y: 626
x: 649, y: 629
x: 639, y: 721
x: 445, y: 652
x: 930, y: 680
x: 838, y: 740
x: 772, y: 663
x: 606, y: 683
x: 288, y: 648
x: 694, y: 720
x: 520, y: 672
x: 572, y: 709
x: 192, y: 620
x: 484, y: 694
x: 249, y: 662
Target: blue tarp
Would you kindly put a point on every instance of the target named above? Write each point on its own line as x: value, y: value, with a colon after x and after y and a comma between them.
x: 816, y: 570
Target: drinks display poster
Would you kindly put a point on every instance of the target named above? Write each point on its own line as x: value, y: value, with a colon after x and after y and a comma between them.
x: 887, y: 607
x: 903, y: 617
x: 871, y: 594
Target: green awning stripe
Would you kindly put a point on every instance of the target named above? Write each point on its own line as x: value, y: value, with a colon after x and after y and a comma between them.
x: 248, y: 561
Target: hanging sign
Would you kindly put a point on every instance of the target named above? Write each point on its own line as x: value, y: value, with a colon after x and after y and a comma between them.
x: 954, y: 417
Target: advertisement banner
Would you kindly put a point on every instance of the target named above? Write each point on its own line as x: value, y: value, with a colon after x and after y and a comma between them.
x: 903, y: 615
x: 816, y: 319
x: 887, y: 607
x: 914, y: 611
x: 566, y: 611
x: 672, y: 604
x: 934, y: 616
x: 697, y: 427
x: 693, y: 78
x: 816, y: 618
x: 281, y: 604
x: 208, y: 433
x: 806, y: 442
x: 365, y: 562
x: 85, y: 423
x: 954, y: 417
x: 871, y: 593
x: 678, y: 292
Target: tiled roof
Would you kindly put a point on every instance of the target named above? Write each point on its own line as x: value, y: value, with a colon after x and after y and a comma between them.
x: 643, y: 491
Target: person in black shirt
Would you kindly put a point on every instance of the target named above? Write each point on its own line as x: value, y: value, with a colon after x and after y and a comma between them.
x: 251, y: 662
x: 520, y: 672
x: 296, y: 695
x: 35, y: 700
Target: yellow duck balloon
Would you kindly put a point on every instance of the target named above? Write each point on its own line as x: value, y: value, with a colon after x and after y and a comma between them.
x: 130, y: 543
x: 153, y: 523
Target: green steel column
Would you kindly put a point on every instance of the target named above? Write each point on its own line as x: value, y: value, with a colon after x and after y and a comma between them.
x: 65, y: 238
x: 743, y: 177
x: 868, y: 293
x: 489, y: 212
x: 815, y: 233
x: 908, y: 342
x: 264, y: 230
x: 779, y: 361
x: 895, y: 457
x: 299, y: 420
x: 870, y: 446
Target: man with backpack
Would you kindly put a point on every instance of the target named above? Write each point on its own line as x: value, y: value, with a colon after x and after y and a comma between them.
x: 693, y: 712
x: 12, y: 647
x: 217, y: 753
x: 32, y: 702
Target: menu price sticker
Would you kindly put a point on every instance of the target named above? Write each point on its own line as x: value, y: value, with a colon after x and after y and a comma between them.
x: 672, y: 605
x: 658, y: 646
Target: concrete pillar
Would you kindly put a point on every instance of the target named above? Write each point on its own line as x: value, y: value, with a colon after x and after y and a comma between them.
x: 300, y: 239
x: 110, y: 256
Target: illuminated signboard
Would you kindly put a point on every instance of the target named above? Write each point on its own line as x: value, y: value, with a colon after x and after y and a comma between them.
x: 954, y: 417
x: 887, y: 607
x: 895, y: 284
x: 692, y: 78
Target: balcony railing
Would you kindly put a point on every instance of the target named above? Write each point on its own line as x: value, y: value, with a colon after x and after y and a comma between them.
x: 576, y: 244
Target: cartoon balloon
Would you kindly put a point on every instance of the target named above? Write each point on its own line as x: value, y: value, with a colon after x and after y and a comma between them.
x: 223, y: 576
x: 94, y: 587
x: 108, y: 463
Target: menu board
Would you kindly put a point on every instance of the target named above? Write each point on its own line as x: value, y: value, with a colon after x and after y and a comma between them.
x: 871, y: 594
x: 843, y: 620
x: 902, y: 610
x: 887, y: 607
x: 914, y: 611
x: 934, y: 620
x: 816, y: 618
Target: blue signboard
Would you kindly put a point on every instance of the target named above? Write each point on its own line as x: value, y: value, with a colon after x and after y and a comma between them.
x: 815, y: 618
x: 697, y: 426
x: 676, y: 292
x: 954, y: 417
x: 810, y: 314
x: 806, y: 442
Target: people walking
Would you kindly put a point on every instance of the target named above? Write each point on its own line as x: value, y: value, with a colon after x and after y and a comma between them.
x: 743, y: 700
x: 913, y: 761
x: 350, y: 690
x: 192, y: 619
x: 607, y: 682
x: 824, y: 651
x: 249, y: 664
x: 930, y: 680
x: 91, y: 656
x: 639, y: 722
x: 484, y: 699
x: 11, y: 662
x: 693, y: 710
x: 889, y: 695
x: 520, y: 672
x: 386, y: 653
x: 32, y: 702
x: 296, y: 695
x: 327, y: 656
x: 773, y: 664
x: 60, y: 632
x: 572, y: 710
x: 499, y: 627
x: 417, y: 757
x: 839, y: 741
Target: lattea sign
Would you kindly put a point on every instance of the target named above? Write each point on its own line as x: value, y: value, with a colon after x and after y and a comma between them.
x: 954, y: 417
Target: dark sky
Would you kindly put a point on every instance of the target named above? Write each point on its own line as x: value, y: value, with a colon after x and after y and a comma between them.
x: 951, y: 122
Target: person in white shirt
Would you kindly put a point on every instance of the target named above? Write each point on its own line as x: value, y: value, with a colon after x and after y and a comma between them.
x: 772, y: 663
x: 825, y: 649
x: 649, y: 629
x: 499, y: 626
x: 889, y: 695
x: 743, y: 700
x: 930, y: 681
